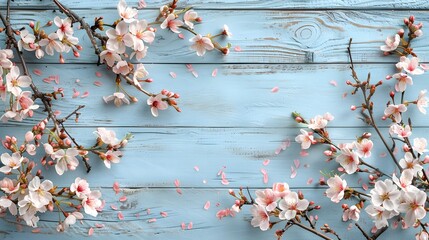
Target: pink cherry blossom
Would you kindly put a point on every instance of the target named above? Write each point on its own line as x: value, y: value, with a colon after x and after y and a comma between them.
x: 364, y: 148
x: 349, y: 160
x: 411, y: 66
x: 172, y: 23
x: 9, y: 186
x: 121, y: 68
x: 392, y: 43
x: 402, y: 81
x: 422, y: 236
x: 260, y: 218
x: 140, y: 33
x: 118, y: 98
x: 401, y: 131
x: 39, y: 192
x: 128, y: 14
x: 119, y: 38
x: 352, y: 213
x: 10, y: 162
x: 409, y: 162
x: 80, y: 187
x: 190, y: 17
x: 66, y: 160
x: 112, y: 157
x: 91, y: 202
x: 156, y: 103
x: 385, y: 193
x: 64, y: 27
x: 14, y: 81
x: 290, y: 205
x: 27, y: 41
x: 139, y: 54
x: 422, y: 101
x: 201, y: 44
x: 110, y: 57
x: 225, y: 213
x: 395, y: 111
x: 413, y: 206
x: 318, y: 122
x: 336, y: 188
x: 267, y: 198
x: 281, y: 189
x: 107, y: 136
x: 305, y: 138
x: 52, y: 44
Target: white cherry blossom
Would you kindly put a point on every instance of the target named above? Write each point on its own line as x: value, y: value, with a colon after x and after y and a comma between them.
x: 64, y: 27
x: 110, y: 57
x: 402, y: 81
x: 10, y: 162
x: 409, y: 162
x: 107, y: 136
x: 352, y: 213
x: 419, y: 145
x: 364, y: 147
x: 14, y: 81
x: 39, y: 192
x: 172, y: 23
x: 128, y: 14
x: 411, y: 66
x: 305, y: 138
x: 395, y: 111
x: 91, y: 202
x: 385, y: 193
x: 336, y: 188
x: 267, y: 198
x: 422, y: 101
x: 349, y: 160
x: 141, y: 34
x: 413, y: 206
x: 290, y: 205
x: 66, y: 160
x: 260, y: 218
x: 112, y: 157
x: 121, y: 68
x: 190, y: 17
x: 380, y: 215
x: 118, y: 99
x: 119, y: 38
x: 5, y: 56
x: 80, y: 187
x: 7, y: 203
x: 201, y: 44
x: 156, y: 104
x: 52, y: 44
x: 392, y: 43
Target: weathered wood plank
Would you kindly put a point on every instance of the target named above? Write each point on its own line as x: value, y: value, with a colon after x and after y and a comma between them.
x: 156, y: 157
x: 186, y: 208
x: 238, y: 4
x: 273, y: 37
x: 240, y: 95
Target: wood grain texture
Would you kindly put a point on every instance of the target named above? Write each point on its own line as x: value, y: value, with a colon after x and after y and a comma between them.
x: 240, y: 95
x: 184, y: 208
x: 239, y: 4
x: 273, y: 37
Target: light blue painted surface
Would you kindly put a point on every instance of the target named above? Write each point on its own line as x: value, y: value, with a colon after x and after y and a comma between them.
x: 232, y: 120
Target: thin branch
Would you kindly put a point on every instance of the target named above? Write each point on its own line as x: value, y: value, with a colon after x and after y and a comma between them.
x: 363, y: 232
x: 310, y: 230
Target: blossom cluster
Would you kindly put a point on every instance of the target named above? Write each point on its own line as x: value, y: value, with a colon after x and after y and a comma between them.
x: 393, y: 198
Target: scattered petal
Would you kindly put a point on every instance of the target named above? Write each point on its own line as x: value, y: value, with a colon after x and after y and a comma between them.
x: 225, y: 181
x: 183, y: 225
x: 152, y: 220
x: 190, y: 226
x: 195, y: 74
x: 38, y: 72
x: 36, y: 230
x: 120, y: 216
x: 383, y: 154
x: 207, y: 205
x: 116, y: 187
x: 75, y: 93
x: 148, y: 211
x: 113, y: 207
x: 98, y: 74
x: 57, y: 112
x: 333, y: 83
x: 359, y: 181
x: 90, y: 231
x: 265, y: 175
x: 214, y: 73
x: 173, y: 74
x: 309, y: 181
x: 304, y: 153
x: 77, y: 81
x: 292, y: 172
x: 179, y: 191
x: 237, y: 49
x: 297, y: 163
x: 164, y: 214
x: 85, y: 94
x: 196, y: 168
x: 350, y: 226
x: 275, y: 89
x: 99, y: 225
x: 266, y: 162
x: 189, y: 67
x: 123, y: 199
x: 365, y: 187
x: 176, y: 183
x: 142, y: 4
x: 98, y: 83
x: 345, y: 95
x: 181, y: 36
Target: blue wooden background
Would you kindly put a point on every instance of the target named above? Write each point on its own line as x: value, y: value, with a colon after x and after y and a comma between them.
x: 231, y: 122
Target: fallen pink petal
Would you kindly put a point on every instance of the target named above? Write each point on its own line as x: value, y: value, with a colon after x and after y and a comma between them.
x: 207, y: 205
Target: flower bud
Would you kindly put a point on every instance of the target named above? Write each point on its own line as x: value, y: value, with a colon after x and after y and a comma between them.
x: 31, y: 24
x: 300, y: 195
x: 311, y: 203
x: 68, y: 142
x: 133, y: 99
x: 79, y: 47
x: 62, y: 59
x: 149, y: 80
x: 49, y: 23
x: 352, y: 107
x: 344, y: 206
x: 76, y: 53
x: 426, y: 159
x: 198, y: 19
x: 328, y: 153
x: 39, y: 173
x: 405, y: 148
x: 418, y: 33
x: 392, y: 94
x: 299, y: 119
x: 412, y: 18
x: 406, y: 21
x: 401, y: 32
x: 388, y: 77
x: 318, y: 207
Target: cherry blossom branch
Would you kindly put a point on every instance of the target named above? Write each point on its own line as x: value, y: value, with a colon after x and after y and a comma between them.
x: 294, y: 222
x: 363, y: 87
x: 37, y: 94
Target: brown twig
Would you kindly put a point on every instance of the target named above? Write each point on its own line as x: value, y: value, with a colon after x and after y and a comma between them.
x: 370, y: 111
x: 294, y: 222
